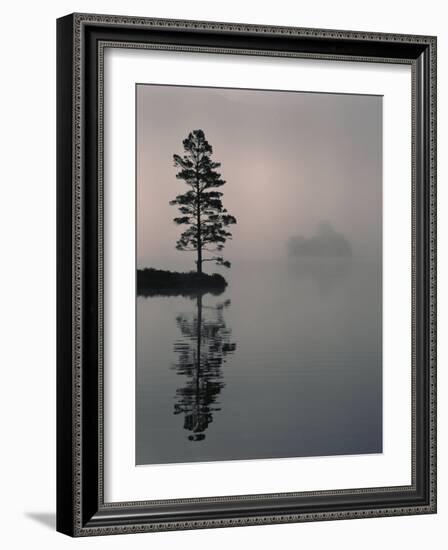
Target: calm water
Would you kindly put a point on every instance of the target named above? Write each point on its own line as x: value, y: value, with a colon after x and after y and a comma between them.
x: 286, y: 362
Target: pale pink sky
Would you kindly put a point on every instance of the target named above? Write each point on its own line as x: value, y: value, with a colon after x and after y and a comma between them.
x: 291, y: 160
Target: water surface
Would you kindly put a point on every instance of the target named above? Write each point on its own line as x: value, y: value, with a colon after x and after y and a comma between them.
x: 285, y: 363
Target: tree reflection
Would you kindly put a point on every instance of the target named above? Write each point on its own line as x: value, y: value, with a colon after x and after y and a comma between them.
x: 202, y: 351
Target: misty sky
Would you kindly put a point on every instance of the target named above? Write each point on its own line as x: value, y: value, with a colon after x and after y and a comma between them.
x: 291, y: 161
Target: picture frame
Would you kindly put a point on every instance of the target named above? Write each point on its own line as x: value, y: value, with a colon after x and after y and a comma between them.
x: 81, y: 506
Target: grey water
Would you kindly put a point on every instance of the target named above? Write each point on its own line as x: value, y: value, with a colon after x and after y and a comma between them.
x: 287, y: 362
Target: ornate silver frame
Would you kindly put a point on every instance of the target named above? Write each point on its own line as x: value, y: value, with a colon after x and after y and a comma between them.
x: 82, y: 39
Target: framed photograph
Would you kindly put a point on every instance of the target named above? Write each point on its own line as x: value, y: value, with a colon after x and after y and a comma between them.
x: 246, y: 274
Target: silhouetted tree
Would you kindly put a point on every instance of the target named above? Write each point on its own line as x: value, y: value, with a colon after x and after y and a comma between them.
x: 201, y: 206
x: 201, y: 355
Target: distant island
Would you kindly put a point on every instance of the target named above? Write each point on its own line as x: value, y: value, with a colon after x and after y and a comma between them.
x: 326, y: 243
x: 159, y: 282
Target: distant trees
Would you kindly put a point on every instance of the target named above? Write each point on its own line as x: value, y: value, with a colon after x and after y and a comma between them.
x: 201, y: 205
x: 326, y: 243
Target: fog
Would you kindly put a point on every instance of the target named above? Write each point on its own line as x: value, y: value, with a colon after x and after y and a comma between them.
x: 291, y: 161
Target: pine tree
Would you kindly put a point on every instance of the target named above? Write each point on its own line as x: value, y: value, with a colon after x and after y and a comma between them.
x: 201, y: 205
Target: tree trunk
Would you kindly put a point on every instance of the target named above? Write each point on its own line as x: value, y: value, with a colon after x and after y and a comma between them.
x: 198, y: 215
x: 199, y: 260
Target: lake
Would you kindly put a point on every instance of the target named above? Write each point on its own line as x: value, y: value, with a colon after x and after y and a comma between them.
x: 287, y: 362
